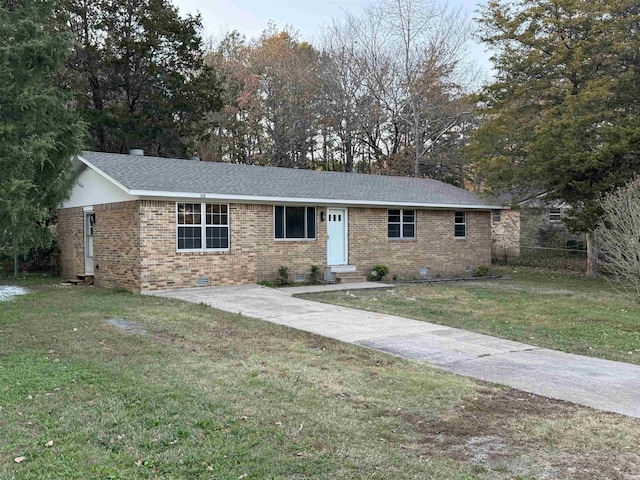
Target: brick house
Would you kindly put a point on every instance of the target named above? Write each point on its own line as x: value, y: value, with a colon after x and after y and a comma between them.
x: 148, y: 223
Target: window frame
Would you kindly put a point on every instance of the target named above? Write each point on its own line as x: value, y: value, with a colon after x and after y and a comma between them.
x: 456, y: 223
x: 495, y: 213
x: 306, y: 226
x: 203, y: 227
x: 555, y: 217
x: 402, y: 223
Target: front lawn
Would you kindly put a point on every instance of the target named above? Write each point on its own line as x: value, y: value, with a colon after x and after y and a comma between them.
x: 106, y: 384
x: 548, y: 309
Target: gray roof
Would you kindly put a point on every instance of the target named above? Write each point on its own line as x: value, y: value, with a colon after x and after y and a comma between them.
x: 155, y: 176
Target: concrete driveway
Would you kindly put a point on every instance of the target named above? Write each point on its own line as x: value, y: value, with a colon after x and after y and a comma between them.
x: 602, y: 384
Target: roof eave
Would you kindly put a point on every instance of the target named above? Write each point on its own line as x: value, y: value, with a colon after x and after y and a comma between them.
x: 161, y: 195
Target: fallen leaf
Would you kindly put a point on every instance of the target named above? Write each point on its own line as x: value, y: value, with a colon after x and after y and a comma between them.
x: 49, y: 443
x: 244, y: 475
x: 19, y: 459
x: 140, y: 462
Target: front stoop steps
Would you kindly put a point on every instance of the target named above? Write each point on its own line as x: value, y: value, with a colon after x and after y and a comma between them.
x: 85, y: 279
x: 347, y: 274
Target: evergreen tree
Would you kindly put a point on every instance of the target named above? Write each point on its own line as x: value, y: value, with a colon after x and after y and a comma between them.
x: 563, y: 113
x: 139, y: 73
x: 39, y: 132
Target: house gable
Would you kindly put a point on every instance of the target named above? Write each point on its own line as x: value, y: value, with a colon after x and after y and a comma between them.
x: 92, y: 188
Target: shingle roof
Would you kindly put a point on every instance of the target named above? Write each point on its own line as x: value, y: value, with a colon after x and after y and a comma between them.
x: 155, y: 176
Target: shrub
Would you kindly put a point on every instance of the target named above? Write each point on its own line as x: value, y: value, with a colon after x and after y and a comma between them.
x: 314, y: 275
x: 378, y: 272
x: 282, y: 277
x: 617, y: 237
x: 482, y: 271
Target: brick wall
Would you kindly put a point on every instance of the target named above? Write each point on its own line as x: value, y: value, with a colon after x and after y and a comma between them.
x: 135, y: 246
x: 70, y: 235
x: 116, y: 245
x: 435, y: 246
x: 253, y: 254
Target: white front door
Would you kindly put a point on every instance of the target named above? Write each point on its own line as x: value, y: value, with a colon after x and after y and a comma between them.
x: 336, y: 236
x: 89, y: 220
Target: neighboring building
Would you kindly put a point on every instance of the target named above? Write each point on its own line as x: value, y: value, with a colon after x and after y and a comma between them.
x: 505, y: 234
x: 542, y: 225
x: 148, y: 223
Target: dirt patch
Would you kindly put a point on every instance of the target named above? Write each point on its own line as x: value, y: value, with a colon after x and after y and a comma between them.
x: 127, y: 326
x: 488, y: 431
x: 7, y: 292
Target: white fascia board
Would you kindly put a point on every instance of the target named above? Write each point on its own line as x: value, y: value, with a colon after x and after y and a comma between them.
x: 108, y: 177
x: 159, y: 195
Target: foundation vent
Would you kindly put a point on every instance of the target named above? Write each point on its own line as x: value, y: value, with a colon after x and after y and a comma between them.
x: 468, y: 268
x: 202, y: 281
x: 299, y: 277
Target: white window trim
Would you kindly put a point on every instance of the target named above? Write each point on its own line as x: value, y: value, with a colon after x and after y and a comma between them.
x: 203, y: 228
x: 402, y: 223
x: 463, y: 223
x: 284, y: 224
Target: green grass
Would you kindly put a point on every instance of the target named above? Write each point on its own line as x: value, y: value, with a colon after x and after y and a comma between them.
x: 554, y: 310
x: 191, y: 392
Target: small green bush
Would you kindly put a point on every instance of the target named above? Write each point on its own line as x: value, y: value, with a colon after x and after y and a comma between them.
x: 378, y: 272
x: 314, y: 275
x: 282, y: 277
x: 482, y: 271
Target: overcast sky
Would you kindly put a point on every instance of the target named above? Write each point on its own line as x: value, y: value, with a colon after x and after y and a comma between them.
x: 250, y: 17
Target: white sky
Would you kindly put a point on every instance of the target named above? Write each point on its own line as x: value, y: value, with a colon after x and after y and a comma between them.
x: 250, y: 17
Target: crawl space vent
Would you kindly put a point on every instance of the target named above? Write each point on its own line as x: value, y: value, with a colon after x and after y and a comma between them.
x: 300, y: 277
x: 467, y: 268
x: 202, y: 281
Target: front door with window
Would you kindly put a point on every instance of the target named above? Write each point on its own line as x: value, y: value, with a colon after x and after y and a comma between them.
x: 336, y: 236
x: 89, y: 220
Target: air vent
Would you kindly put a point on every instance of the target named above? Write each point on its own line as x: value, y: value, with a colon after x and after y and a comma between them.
x: 424, y: 272
x: 468, y: 268
x: 300, y: 277
x: 137, y: 152
x: 202, y: 281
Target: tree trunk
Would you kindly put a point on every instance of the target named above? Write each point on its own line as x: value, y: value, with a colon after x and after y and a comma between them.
x: 15, y: 265
x: 592, y: 256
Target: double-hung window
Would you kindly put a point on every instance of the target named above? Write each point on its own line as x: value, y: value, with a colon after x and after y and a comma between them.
x: 460, y: 224
x: 202, y: 226
x: 401, y: 224
x: 295, y: 223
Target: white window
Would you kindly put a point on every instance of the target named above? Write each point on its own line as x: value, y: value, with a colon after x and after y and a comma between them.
x: 295, y: 223
x: 460, y: 224
x: 555, y: 215
x: 401, y: 224
x: 202, y: 226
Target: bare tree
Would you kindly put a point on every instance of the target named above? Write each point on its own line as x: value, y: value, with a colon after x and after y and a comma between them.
x: 618, y: 237
x: 412, y: 55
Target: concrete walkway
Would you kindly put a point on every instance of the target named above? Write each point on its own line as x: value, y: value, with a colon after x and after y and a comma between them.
x: 602, y: 384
